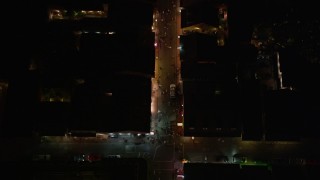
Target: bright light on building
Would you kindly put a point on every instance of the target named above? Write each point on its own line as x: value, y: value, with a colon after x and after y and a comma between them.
x: 108, y: 94
x: 180, y: 176
x: 180, y: 124
x: 185, y: 161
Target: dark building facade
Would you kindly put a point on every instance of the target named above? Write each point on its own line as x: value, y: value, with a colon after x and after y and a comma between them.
x: 90, y: 62
x: 111, y: 168
x: 273, y: 170
x: 209, y: 72
x: 270, y: 100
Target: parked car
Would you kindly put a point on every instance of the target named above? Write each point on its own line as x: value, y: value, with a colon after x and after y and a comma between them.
x: 172, y: 90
